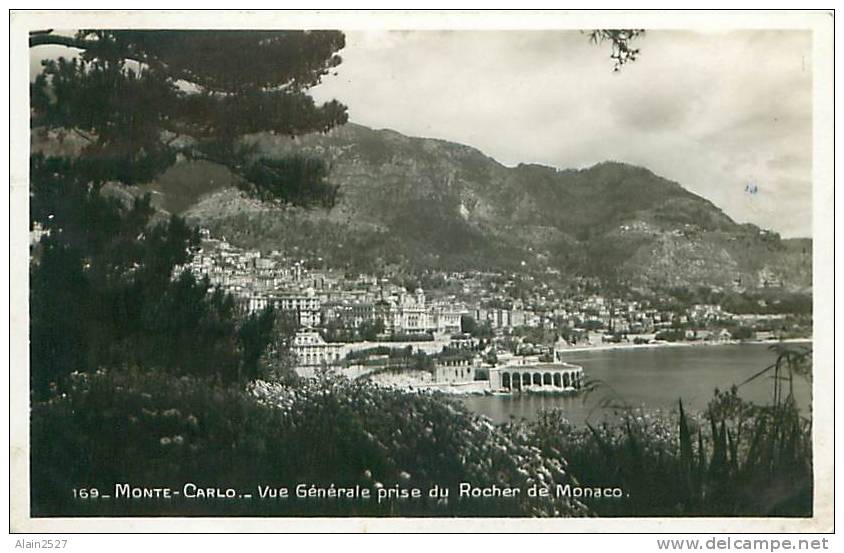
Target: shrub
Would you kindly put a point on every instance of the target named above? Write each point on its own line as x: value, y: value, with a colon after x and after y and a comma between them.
x: 410, y: 337
x: 146, y: 428
x: 736, y: 459
x: 742, y: 333
x: 151, y: 429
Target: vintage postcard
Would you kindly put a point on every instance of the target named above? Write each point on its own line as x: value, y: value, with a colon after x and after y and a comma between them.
x: 421, y: 271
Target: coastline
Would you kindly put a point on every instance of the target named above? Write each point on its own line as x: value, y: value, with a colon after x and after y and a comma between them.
x: 481, y: 387
x: 624, y: 346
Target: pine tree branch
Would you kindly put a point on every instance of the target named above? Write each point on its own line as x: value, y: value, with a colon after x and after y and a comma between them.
x: 42, y: 39
x: 48, y: 39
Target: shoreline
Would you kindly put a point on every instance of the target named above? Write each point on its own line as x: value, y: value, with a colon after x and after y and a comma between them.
x: 480, y: 387
x: 627, y: 346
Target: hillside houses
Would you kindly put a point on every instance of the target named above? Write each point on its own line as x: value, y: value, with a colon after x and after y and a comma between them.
x: 337, y: 312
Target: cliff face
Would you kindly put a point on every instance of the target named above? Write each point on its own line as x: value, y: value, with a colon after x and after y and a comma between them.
x: 423, y: 203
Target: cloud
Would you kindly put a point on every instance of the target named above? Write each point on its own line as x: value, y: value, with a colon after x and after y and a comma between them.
x: 709, y: 110
x: 712, y: 111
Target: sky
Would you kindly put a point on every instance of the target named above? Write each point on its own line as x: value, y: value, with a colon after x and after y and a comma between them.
x: 722, y: 113
x: 717, y: 112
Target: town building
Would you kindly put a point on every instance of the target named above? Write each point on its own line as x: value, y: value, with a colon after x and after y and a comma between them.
x: 312, y: 350
x: 456, y: 368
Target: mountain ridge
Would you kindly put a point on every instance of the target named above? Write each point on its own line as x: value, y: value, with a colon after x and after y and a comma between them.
x: 425, y: 203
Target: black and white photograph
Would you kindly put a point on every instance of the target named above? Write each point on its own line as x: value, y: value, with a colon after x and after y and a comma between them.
x: 378, y: 268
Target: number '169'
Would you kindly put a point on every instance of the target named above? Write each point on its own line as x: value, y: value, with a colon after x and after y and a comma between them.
x: 86, y: 493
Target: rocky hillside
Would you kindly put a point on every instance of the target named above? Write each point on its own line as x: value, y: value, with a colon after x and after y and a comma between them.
x: 422, y: 203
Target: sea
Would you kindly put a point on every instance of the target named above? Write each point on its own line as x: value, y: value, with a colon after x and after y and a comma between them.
x: 651, y: 378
